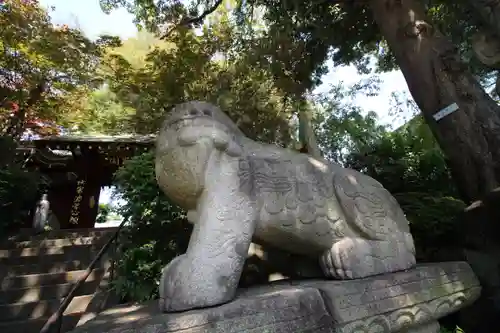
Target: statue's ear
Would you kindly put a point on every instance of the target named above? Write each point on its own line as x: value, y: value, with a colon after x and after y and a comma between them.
x: 226, y: 143
x: 234, y: 149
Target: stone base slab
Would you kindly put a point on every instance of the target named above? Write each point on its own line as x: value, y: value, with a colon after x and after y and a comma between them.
x: 408, y: 301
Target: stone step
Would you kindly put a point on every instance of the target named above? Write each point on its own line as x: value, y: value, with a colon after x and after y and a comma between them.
x: 40, y: 309
x: 37, y: 251
x: 45, y: 267
x: 36, y: 280
x: 28, y: 235
x: 55, y: 242
x: 69, y: 322
x: 46, y: 292
x: 32, y: 255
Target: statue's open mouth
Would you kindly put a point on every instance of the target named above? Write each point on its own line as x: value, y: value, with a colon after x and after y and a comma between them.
x: 186, y: 121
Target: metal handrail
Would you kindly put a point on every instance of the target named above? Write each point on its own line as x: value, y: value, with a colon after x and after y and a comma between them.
x: 56, y: 318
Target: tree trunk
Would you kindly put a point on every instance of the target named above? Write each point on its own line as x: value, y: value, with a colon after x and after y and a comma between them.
x: 307, y: 137
x: 436, y: 78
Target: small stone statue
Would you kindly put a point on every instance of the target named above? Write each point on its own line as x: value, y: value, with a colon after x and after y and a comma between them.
x: 42, y: 211
x: 236, y: 190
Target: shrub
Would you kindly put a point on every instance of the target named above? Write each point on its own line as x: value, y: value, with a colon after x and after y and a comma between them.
x: 103, y: 212
x: 432, y: 221
x: 157, y: 230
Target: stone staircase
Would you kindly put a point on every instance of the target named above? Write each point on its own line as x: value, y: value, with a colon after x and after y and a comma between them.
x: 37, y: 272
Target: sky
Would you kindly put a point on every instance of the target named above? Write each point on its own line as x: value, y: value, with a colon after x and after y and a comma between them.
x: 88, y: 17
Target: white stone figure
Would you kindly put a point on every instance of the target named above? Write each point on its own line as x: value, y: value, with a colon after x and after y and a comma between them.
x: 53, y: 221
x: 236, y: 191
x: 41, y: 214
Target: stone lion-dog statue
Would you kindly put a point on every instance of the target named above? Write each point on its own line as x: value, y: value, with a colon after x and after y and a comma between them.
x: 236, y: 190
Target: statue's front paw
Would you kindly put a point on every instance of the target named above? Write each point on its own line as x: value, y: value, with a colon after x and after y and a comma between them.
x: 184, y: 285
x: 171, y: 298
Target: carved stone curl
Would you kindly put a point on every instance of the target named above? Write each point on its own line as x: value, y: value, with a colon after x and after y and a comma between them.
x: 487, y: 49
x: 237, y: 190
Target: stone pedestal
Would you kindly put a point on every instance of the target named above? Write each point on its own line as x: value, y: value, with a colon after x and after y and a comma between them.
x: 405, y: 302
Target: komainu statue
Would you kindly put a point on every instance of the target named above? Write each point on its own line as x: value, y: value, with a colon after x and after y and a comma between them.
x: 237, y: 190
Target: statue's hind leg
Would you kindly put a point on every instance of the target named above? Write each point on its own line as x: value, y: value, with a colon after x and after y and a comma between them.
x: 352, y: 258
x: 378, y: 239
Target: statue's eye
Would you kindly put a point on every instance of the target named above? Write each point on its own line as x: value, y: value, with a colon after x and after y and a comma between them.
x: 193, y: 112
x: 207, y: 113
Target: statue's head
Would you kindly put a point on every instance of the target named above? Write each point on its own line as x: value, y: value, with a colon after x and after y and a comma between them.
x: 199, y: 110
x: 190, y: 133
x: 190, y: 122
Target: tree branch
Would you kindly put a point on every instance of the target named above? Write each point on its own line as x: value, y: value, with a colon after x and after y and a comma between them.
x: 199, y: 19
x: 18, y: 121
x: 194, y: 20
